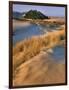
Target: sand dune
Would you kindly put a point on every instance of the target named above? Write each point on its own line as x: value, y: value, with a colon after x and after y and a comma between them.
x: 31, y: 47
x: 31, y: 63
x: 39, y: 70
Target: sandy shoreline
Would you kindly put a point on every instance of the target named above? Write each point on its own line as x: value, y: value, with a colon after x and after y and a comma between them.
x: 39, y: 70
x: 17, y: 23
x: 32, y: 65
x: 45, y: 21
x: 31, y: 62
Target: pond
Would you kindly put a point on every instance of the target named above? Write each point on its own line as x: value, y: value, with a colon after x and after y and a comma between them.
x: 20, y: 33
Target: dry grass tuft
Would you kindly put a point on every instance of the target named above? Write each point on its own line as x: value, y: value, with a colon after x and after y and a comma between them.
x: 29, y: 48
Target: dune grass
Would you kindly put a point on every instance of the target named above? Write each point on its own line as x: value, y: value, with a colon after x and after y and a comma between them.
x: 29, y: 48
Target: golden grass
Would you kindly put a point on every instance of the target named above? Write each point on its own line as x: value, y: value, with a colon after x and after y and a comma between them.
x: 31, y: 65
x: 29, y: 48
x: 59, y: 21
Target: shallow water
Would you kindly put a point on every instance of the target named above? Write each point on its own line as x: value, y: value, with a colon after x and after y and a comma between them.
x: 25, y: 32
x: 58, y: 54
x: 21, y: 33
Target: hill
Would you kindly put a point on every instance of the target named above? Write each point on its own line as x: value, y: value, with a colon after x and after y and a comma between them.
x: 18, y: 15
x: 32, y: 14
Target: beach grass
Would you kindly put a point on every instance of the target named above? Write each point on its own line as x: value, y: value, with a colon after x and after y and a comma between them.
x: 29, y: 48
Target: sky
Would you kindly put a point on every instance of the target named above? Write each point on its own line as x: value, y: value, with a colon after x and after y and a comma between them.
x: 47, y: 10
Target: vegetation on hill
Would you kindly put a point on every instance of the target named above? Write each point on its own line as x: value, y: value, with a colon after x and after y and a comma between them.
x: 16, y: 15
x: 32, y: 14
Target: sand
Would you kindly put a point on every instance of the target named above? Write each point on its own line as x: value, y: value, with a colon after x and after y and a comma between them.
x: 31, y: 62
x: 17, y: 23
x: 39, y: 70
x: 27, y: 22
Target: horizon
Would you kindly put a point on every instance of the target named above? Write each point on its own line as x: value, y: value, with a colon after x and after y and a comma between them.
x: 46, y: 10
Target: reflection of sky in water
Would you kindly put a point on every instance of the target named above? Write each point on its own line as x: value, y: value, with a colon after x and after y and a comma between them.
x: 58, y: 54
x: 21, y: 33
x: 25, y: 32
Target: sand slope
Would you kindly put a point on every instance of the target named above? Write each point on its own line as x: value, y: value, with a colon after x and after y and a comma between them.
x: 39, y: 70
x: 31, y: 63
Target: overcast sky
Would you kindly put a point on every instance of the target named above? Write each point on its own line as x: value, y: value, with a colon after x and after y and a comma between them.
x: 47, y: 10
